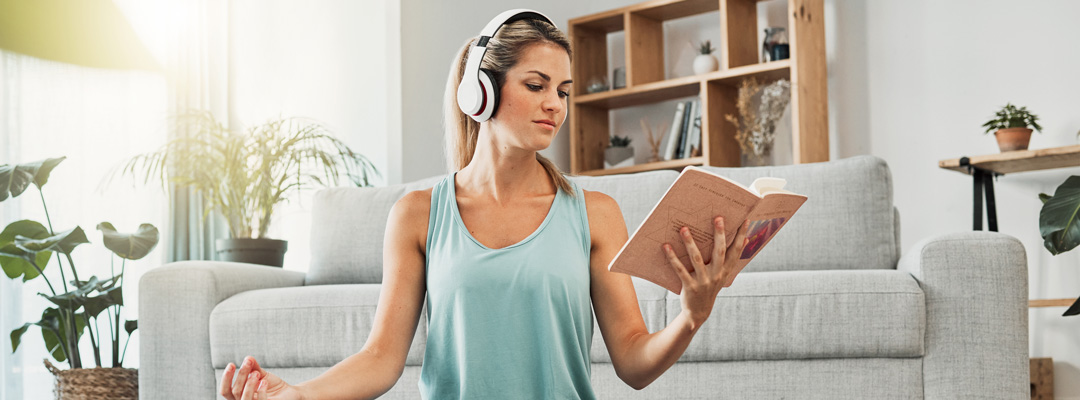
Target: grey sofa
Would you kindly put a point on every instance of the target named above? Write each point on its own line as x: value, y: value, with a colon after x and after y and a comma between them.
x: 828, y: 310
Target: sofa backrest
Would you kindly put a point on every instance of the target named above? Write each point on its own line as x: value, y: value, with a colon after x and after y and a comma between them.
x: 848, y: 222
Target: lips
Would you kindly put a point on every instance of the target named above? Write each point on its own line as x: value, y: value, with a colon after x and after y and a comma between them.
x: 546, y: 122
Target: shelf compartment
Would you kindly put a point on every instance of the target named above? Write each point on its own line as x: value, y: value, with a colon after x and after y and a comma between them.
x: 681, y: 87
x: 653, y: 166
x: 605, y: 22
x: 664, y: 10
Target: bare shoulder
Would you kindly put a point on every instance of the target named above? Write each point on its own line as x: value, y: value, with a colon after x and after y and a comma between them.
x: 409, y: 216
x: 605, y: 216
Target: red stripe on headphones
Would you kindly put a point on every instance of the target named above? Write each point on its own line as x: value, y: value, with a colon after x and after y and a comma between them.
x: 483, y: 98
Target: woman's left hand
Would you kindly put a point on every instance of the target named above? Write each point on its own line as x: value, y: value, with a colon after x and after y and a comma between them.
x: 701, y: 285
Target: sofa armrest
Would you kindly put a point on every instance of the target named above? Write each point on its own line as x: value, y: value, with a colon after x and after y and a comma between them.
x: 175, y: 301
x: 976, y: 290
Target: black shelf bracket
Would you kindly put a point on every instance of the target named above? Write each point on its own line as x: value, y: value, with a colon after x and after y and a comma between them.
x: 983, y: 183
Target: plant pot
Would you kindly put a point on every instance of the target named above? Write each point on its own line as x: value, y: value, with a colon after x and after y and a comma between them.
x: 269, y: 252
x: 705, y: 63
x: 1013, y: 139
x: 95, y: 383
x: 615, y: 157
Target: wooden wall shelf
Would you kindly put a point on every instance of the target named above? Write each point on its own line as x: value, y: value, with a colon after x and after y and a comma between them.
x: 717, y: 91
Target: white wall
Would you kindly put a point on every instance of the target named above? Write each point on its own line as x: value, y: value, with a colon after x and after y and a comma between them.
x: 909, y: 82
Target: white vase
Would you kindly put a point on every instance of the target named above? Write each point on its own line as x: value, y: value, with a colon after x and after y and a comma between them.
x: 705, y: 63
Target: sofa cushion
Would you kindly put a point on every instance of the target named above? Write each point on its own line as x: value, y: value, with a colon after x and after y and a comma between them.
x: 347, y: 229
x: 811, y: 314
x: 847, y: 221
x: 299, y: 326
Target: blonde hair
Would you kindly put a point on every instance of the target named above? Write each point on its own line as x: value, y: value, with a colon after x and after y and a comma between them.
x: 503, y: 52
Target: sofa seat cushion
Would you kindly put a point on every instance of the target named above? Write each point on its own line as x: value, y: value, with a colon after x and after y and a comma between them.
x: 299, y: 326
x: 785, y: 315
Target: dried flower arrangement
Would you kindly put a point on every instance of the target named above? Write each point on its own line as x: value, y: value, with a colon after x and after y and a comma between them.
x: 654, y: 140
x: 755, y: 128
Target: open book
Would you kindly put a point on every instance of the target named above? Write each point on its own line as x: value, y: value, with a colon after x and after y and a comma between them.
x: 695, y: 198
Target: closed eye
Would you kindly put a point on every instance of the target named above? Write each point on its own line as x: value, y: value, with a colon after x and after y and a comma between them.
x: 537, y: 88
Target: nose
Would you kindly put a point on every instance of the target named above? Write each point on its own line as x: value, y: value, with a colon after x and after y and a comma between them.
x: 552, y: 102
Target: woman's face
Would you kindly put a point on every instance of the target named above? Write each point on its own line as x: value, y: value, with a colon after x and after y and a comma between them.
x: 533, y: 101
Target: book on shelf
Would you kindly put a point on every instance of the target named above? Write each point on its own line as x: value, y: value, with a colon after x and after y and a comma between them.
x: 695, y: 198
x: 693, y: 129
x: 676, y: 130
x: 685, y: 130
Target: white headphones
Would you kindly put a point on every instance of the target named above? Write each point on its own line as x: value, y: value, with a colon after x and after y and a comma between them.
x: 478, y: 95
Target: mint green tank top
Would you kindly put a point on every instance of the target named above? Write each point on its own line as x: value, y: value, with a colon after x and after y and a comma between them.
x: 509, y: 323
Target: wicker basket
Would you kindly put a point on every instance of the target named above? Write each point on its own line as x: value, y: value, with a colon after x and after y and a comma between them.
x: 95, y: 383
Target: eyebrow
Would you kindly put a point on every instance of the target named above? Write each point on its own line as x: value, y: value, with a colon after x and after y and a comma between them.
x: 548, y: 78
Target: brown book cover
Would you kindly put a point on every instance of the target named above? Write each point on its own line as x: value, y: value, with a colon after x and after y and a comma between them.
x: 693, y: 200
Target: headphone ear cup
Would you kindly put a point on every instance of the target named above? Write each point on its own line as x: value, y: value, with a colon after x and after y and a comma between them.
x: 491, y: 96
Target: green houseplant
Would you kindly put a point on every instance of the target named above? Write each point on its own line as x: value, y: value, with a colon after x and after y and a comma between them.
x: 619, y: 153
x: 1012, y: 127
x: 245, y: 176
x: 26, y: 249
x: 1059, y: 222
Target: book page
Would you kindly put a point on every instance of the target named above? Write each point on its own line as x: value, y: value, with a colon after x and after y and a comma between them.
x: 772, y: 213
x: 693, y: 200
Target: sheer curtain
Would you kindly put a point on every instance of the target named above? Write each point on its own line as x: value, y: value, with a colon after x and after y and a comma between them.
x: 96, y: 118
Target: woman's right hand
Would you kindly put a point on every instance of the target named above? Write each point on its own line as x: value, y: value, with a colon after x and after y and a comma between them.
x: 254, y: 383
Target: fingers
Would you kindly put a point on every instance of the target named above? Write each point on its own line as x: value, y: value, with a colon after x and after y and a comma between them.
x: 226, y: 382
x: 250, y: 386
x: 719, y: 242
x: 737, y: 246
x: 696, y: 262
x: 241, y: 379
x: 677, y: 265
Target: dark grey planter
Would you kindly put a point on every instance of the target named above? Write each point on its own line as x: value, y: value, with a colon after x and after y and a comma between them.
x: 268, y: 252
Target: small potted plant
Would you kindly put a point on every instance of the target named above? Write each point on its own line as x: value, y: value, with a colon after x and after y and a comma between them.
x: 619, y: 154
x: 1012, y: 127
x: 705, y: 62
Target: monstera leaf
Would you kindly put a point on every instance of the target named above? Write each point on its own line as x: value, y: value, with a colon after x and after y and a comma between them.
x: 63, y: 242
x: 14, y: 179
x: 15, y: 261
x: 76, y: 298
x: 1059, y: 218
x: 51, y: 330
x: 131, y: 246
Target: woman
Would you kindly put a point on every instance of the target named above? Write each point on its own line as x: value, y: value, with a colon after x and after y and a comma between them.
x: 513, y: 259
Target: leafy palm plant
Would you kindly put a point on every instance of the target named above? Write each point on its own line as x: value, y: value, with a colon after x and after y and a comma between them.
x: 244, y: 176
x: 27, y: 247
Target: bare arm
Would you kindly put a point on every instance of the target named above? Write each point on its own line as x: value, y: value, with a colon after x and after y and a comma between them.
x: 638, y: 356
x: 376, y: 368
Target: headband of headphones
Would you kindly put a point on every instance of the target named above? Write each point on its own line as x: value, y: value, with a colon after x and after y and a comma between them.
x: 477, y: 94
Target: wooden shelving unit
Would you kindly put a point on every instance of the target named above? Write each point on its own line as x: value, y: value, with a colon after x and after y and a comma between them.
x: 739, y: 52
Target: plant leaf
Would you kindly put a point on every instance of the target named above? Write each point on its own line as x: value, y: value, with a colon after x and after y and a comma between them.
x: 131, y: 246
x: 15, y: 179
x: 16, y: 336
x: 63, y: 242
x: 1059, y: 218
x: 14, y: 260
x: 53, y: 330
x: 95, y: 305
x: 76, y: 298
x: 131, y: 326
